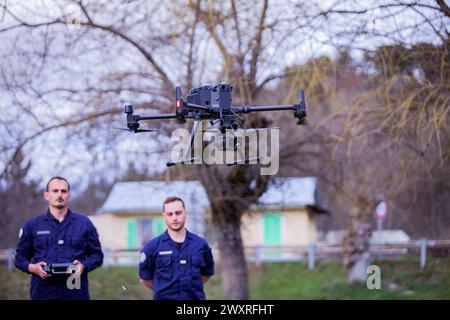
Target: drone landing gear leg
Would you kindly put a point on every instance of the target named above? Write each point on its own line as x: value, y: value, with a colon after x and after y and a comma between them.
x: 187, y: 150
x: 242, y: 157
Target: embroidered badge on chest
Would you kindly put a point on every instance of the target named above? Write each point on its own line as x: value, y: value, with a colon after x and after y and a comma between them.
x: 163, y: 253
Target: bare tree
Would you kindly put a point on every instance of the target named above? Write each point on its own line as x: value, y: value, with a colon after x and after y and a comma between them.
x: 205, y: 41
x: 387, y: 128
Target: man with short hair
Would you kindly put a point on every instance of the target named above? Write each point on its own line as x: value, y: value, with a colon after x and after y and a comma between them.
x: 58, y: 236
x: 177, y: 263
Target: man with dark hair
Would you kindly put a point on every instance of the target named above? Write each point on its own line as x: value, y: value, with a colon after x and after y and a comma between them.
x: 177, y: 263
x: 57, y: 178
x: 58, y: 236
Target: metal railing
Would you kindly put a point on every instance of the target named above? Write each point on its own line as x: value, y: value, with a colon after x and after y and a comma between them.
x: 320, y: 251
x: 311, y: 253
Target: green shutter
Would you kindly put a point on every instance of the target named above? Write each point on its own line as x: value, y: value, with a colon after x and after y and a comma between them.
x: 158, y: 226
x: 272, y: 228
x: 132, y: 233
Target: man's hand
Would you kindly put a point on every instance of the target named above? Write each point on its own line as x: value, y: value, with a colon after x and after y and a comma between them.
x: 36, y: 268
x: 147, y: 283
x: 79, y: 267
x: 205, y: 278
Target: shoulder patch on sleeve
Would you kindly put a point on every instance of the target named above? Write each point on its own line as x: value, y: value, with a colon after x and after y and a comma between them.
x: 142, y: 257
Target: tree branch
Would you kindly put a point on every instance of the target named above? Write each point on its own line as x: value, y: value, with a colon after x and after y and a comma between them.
x: 257, y: 49
x: 191, y: 46
x: 444, y: 8
x: 67, y: 123
x: 204, y: 18
x: 90, y: 23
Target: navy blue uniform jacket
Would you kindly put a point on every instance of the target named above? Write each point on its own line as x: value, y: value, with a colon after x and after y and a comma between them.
x: 176, y: 270
x: 44, y: 238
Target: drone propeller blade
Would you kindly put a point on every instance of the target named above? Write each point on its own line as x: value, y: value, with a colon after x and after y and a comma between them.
x: 146, y: 130
x: 123, y: 129
x: 137, y: 130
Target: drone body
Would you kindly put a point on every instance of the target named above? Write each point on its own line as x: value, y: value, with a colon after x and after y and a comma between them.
x: 214, y: 103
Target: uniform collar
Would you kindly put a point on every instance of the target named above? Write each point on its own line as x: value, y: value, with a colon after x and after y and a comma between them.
x: 165, y: 235
x: 69, y: 216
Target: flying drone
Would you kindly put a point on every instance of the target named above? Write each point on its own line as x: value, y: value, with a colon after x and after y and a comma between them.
x: 213, y: 103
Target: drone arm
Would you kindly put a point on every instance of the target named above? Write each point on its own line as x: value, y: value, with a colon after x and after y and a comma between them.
x: 248, y: 109
x: 158, y: 116
x: 299, y: 108
x: 133, y: 119
x: 197, y: 106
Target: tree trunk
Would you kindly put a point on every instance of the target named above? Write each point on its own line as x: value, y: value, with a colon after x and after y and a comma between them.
x: 232, y: 258
x: 231, y: 192
x: 356, y: 244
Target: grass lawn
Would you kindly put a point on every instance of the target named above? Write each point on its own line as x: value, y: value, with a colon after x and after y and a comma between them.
x: 400, y: 279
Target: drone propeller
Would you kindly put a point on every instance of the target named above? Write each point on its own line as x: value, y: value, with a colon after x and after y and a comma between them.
x: 137, y: 130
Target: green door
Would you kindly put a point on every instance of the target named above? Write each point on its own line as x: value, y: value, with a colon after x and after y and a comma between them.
x: 131, y: 233
x: 272, y: 229
x: 272, y: 235
x: 158, y: 226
